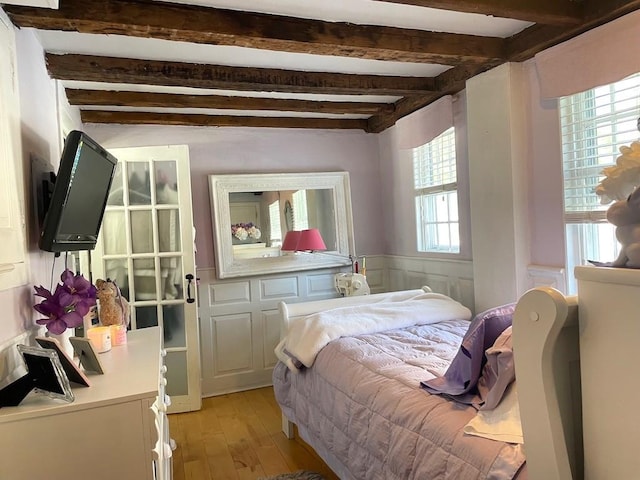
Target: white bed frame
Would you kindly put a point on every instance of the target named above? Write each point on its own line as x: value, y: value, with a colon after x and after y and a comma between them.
x: 546, y: 350
x: 547, y: 361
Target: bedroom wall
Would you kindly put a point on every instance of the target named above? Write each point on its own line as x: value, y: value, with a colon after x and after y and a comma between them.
x: 604, y: 55
x: 529, y: 172
x: 249, y: 150
x: 39, y: 138
x: 601, y: 56
x: 404, y: 267
x: 238, y: 317
x: 497, y: 119
x: 396, y: 168
x: 369, y: 158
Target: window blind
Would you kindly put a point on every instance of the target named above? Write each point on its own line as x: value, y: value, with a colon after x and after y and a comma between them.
x: 274, y: 222
x: 300, y: 214
x: 435, y: 182
x: 595, y: 124
x: 434, y: 164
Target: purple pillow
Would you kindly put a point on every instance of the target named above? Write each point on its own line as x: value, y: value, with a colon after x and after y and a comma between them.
x: 460, y: 380
x: 498, y: 372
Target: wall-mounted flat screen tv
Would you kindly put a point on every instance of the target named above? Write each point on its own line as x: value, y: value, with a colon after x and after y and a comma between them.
x: 76, y: 206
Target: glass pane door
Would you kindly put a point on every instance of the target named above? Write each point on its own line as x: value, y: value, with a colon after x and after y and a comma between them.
x: 146, y: 246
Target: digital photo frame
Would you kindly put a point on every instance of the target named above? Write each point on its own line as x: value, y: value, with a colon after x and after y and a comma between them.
x: 44, y: 375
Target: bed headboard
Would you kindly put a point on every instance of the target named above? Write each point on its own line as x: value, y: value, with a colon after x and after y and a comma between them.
x: 547, y: 362
x: 291, y: 311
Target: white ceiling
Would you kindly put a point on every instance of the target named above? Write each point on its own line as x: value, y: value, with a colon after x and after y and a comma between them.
x: 369, y: 12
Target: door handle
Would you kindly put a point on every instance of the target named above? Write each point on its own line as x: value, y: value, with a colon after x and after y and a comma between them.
x: 189, y: 278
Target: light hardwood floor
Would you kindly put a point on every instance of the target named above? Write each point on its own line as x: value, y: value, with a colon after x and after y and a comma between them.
x: 238, y: 437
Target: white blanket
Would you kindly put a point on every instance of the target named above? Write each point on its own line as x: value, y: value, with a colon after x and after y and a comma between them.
x: 502, y: 423
x: 308, y: 335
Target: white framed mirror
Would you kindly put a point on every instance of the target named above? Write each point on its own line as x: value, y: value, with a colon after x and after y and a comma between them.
x: 253, y: 212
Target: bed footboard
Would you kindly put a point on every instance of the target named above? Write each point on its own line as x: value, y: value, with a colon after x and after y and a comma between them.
x: 546, y: 352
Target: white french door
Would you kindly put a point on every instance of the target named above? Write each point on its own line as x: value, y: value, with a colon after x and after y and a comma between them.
x: 146, y: 246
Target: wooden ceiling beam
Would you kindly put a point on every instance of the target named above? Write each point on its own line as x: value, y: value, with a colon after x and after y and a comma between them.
x: 146, y: 118
x: 191, y: 23
x: 548, y: 12
x: 536, y: 38
x: 521, y: 47
x: 611, y: 9
x: 300, y: 35
x: 450, y: 82
x: 171, y: 100
x: 153, y: 72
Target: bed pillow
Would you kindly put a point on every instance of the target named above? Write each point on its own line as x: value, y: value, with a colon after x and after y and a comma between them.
x: 460, y: 380
x: 498, y: 371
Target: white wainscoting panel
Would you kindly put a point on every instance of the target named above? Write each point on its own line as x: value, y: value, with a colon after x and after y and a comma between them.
x: 320, y: 285
x: 377, y: 276
x: 279, y: 288
x: 240, y: 324
x: 450, y: 277
x: 546, y: 276
x: 230, y: 293
x: 271, y: 337
x: 232, y: 339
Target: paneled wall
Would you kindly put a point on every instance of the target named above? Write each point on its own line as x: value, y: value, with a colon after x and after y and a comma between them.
x: 450, y: 277
x: 240, y: 324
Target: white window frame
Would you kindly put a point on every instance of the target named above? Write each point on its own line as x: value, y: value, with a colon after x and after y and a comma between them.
x: 594, y: 125
x: 436, y: 195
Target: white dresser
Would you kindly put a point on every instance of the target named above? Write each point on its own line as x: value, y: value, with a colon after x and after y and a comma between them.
x: 115, y: 429
x: 609, y: 306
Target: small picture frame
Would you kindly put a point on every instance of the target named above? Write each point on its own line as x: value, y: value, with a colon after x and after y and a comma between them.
x: 45, y: 372
x: 74, y: 374
x: 87, y: 354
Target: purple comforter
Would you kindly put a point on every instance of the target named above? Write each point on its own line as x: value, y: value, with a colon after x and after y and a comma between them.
x: 362, y: 409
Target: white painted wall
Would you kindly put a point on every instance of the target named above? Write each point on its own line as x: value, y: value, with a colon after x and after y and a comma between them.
x: 39, y: 137
x: 546, y: 213
x: 497, y: 118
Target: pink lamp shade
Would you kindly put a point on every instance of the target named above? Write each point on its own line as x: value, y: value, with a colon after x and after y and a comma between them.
x: 290, y: 242
x: 311, y: 240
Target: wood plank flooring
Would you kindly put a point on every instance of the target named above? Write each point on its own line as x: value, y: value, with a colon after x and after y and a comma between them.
x: 238, y: 437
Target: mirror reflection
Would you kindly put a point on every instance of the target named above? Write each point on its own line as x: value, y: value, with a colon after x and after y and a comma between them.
x: 260, y: 220
x: 253, y: 212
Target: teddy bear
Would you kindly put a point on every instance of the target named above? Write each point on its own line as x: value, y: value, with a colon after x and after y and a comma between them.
x: 625, y: 215
x: 114, y: 308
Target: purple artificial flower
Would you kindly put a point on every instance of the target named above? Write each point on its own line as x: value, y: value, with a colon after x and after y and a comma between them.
x: 70, y: 301
x: 78, y: 286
